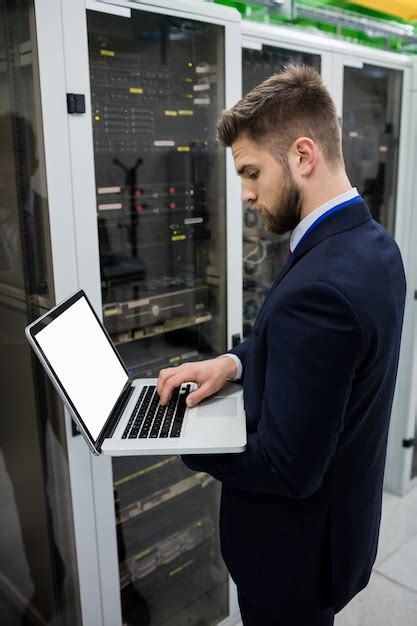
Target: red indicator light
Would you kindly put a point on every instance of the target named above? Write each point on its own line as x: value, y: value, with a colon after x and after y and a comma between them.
x: 138, y: 192
x: 139, y: 208
x: 172, y: 205
x: 171, y: 189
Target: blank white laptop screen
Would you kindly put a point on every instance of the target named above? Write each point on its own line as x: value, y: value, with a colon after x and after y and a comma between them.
x: 85, y: 363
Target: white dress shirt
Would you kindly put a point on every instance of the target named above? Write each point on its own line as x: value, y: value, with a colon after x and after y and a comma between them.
x: 303, y: 226
x: 296, y: 236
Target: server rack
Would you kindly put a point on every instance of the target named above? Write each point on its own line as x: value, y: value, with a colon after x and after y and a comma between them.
x: 157, y: 252
x: 372, y: 92
x: 157, y: 88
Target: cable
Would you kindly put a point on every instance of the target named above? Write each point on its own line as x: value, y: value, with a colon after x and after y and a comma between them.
x: 259, y: 244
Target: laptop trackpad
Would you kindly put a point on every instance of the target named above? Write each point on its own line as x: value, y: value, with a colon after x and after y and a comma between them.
x: 219, y: 407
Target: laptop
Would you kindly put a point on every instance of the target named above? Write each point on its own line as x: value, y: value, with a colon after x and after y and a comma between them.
x: 121, y: 416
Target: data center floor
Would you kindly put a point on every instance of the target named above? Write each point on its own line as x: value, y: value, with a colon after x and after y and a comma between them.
x: 391, y: 596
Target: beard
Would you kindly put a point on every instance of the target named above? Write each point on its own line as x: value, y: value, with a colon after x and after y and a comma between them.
x: 285, y: 213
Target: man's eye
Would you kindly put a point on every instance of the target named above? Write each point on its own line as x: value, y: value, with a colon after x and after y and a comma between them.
x: 253, y: 175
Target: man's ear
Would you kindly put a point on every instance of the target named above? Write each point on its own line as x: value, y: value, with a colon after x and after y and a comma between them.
x: 304, y: 155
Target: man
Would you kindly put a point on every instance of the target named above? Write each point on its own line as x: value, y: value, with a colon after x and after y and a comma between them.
x: 301, y: 507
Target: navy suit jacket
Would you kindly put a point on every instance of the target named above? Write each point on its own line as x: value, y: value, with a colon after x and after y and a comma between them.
x: 301, y: 507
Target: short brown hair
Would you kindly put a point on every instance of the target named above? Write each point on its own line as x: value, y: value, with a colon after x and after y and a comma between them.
x: 294, y: 103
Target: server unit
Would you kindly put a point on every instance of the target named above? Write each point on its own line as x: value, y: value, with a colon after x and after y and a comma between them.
x: 157, y: 224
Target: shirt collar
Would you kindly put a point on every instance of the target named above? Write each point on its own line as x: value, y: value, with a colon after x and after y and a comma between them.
x: 303, y: 226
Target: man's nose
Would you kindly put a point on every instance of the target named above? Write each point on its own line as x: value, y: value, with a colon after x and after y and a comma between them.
x: 248, y: 194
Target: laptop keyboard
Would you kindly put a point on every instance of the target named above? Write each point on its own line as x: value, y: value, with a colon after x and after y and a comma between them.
x: 151, y: 420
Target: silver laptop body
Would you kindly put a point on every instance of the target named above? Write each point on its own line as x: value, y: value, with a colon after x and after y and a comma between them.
x: 119, y: 416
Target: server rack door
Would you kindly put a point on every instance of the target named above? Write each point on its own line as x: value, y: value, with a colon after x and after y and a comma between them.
x: 401, y: 472
x: 157, y: 88
x: 264, y: 253
x: 371, y: 131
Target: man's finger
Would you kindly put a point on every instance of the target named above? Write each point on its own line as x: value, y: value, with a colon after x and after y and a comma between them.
x: 197, y: 396
x: 164, y: 376
x: 172, y: 383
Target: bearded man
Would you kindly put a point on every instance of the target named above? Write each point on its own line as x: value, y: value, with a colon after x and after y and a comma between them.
x: 301, y: 507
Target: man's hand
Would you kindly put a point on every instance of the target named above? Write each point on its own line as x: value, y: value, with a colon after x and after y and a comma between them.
x: 210, y: 376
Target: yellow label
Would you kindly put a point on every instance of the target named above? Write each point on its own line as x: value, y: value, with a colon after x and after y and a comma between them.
x: 174, y: 359
x: 171, y: 113
x: 143, y: 553
x: 107, y: 53
x: 180, y: 568
x: 176, y: 571
x: 188, y: 80
x: 135, y: 90
x: 185, y: 112
x: 97, y: 118
x: 111, y: 312
x: 178, y: 237
x: 183, y: 148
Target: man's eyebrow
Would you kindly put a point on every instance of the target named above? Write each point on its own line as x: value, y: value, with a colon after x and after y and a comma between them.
x: 245, y: 167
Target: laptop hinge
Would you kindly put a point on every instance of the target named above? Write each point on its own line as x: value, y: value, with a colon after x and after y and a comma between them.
x: 116, y: 413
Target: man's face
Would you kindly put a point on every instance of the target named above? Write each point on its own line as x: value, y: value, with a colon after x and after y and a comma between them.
x: 268, y: 186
